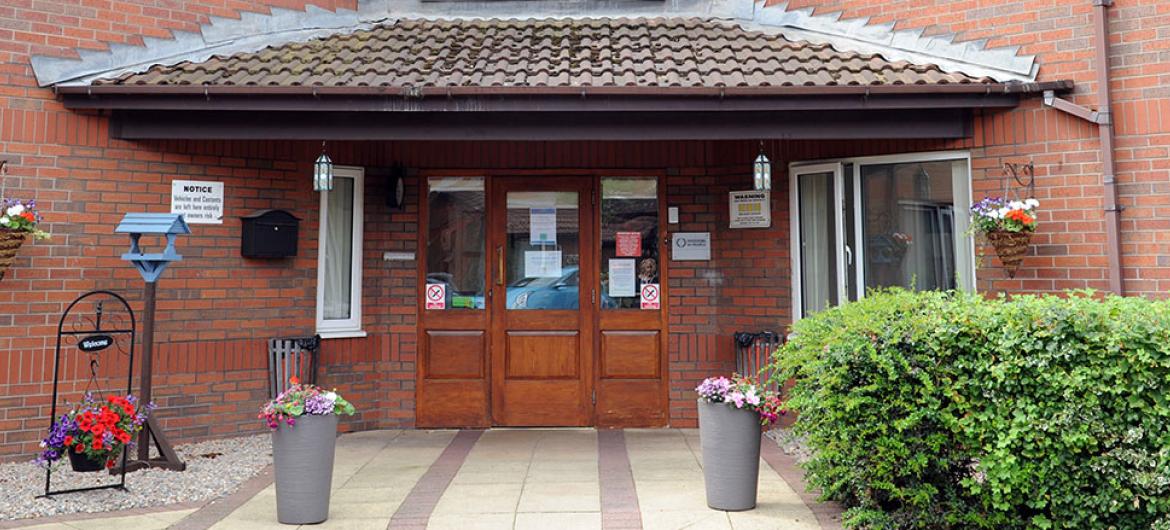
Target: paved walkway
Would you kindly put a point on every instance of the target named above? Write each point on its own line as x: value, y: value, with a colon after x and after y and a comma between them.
x: 512, y: 479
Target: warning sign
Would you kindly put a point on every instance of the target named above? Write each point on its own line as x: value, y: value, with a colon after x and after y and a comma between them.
x: 629, y: 244
x: 651, y: 296
x: 436, y: 296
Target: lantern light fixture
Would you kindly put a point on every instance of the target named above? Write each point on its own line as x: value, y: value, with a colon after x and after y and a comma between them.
x: 323, y: 172
x: 762, y: 171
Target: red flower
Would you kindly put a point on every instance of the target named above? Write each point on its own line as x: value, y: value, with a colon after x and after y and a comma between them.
x: 28, y: 216
x: 110, y: 463
x: 68, y: 441
x: 97, y: 444
x: 79, y: 449
x: 294, y: 380
x: 123, y: 437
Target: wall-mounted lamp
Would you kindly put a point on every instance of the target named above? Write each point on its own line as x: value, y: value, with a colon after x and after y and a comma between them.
x: 323, y: 172
x: 762, y: 171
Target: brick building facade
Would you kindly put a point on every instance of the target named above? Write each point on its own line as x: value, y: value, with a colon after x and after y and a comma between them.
x: 216, y: 308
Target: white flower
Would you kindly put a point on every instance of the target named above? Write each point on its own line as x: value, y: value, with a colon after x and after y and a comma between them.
x: 5, y: 221
x: 15, y: 210
x: 1032, y: 203
x: 1016, y: 205
x: 1003, y: 212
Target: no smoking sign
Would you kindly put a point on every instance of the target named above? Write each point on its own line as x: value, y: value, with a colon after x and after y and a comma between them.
x: 436, y: 296
x: 651, y: 296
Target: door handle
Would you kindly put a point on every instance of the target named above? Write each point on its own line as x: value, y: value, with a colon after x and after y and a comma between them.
x: 500, y: 270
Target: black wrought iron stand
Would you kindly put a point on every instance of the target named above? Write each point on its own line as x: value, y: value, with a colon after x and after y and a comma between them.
x: 94, y: 335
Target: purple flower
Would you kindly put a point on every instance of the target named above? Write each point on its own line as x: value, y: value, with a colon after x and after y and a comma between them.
x: 319, y: 404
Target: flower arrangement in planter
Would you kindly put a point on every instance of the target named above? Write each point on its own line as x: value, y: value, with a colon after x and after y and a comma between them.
x: 18, y: 220
x: 303, y: 420
x: 732, y: 413
x: 1008, y: 226
x: 94, y: 432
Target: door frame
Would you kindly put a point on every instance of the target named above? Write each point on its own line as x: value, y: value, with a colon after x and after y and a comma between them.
x: 596, y: 318
x: 794, y: 174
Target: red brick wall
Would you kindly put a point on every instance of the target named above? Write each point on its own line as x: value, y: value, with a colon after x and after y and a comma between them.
x: 216, y: 308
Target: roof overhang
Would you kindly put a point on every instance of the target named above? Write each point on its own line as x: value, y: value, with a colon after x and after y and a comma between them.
x: 501, y: 113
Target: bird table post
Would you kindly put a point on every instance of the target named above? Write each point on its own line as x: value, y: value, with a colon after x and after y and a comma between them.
x: 151, y: 266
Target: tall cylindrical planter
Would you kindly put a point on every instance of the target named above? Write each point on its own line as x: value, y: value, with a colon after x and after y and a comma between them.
x: 730, y: 438
x: 302, y: 456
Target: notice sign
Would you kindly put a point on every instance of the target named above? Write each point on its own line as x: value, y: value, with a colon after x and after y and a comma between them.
x: 622, y: 278
x: 436, y: 296
x: 629, y: 245
x: 542, y: 226
x: 542, y: 264
x: 750, y: 209
x: 691, y: 246
x: 199, y: 202
x: 651, y: 296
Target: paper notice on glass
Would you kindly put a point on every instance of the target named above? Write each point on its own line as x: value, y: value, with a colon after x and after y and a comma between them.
x: 628, y: 244
x: 542, y: 264
x: 543, y: 226
x: 622, y: 278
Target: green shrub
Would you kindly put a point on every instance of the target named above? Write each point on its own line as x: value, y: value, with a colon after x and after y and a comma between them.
x: 940, y: 410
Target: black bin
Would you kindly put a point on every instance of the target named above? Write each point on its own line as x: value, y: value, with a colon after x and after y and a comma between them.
x: 269, y: 234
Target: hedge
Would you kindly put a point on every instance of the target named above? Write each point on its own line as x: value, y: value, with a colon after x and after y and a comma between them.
x: 942, y: 410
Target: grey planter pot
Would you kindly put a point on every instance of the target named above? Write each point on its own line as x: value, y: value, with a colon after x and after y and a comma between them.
x: 302, y: 456
x: 731, y: 455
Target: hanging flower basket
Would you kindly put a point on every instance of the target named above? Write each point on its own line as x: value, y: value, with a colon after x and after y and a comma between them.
x: 1008, y: 226
x: 1011, y: 247
x: 10, y: 242
x: 83, y: 463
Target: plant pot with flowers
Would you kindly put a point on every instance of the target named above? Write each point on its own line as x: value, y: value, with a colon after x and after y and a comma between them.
x: 1008, y: 226
x: 18, y: 221
x: 303, y: 420
x: 94, y: 433
x: 732, y: 415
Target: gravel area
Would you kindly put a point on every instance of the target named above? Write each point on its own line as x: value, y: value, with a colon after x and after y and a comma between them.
x: 214, y: 468
x: 791, y: 444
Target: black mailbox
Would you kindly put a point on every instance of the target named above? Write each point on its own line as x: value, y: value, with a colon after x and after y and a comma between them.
x: 269, y: 234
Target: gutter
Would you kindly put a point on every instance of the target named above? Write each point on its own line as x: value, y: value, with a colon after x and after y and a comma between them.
x: 423, y: 92
x: 1103, y: 117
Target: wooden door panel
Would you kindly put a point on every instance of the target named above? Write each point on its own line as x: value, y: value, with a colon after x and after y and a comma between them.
x: 630, y: 354
x: 539, y: 402
x: 543, y: 355
x: 542, y: 333
x: 631, y: 403
x: 455, y: 354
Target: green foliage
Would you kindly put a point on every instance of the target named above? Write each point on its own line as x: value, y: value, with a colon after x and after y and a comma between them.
x: 942, y: 410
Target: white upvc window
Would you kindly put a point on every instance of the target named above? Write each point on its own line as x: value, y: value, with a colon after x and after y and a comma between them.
x: 339, y: 256
x: 881, y: 221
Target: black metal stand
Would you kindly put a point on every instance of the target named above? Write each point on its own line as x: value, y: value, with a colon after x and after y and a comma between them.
x: 152, y: 432
x: 93, y: 335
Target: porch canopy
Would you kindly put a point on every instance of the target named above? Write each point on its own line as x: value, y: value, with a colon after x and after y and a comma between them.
x: 435, y: 70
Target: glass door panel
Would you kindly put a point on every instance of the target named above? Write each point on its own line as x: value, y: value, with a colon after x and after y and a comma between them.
x: 542, y: 250
x: 820, y: 262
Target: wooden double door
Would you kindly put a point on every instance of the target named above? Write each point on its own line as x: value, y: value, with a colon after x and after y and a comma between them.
x: 523, y: 346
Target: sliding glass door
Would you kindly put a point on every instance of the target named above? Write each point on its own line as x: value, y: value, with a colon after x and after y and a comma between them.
x: 891, y: 221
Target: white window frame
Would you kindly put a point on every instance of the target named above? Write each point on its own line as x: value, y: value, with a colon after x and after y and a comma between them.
x: 962, y: 198
x: 794, y: 172
x: 352, y: 326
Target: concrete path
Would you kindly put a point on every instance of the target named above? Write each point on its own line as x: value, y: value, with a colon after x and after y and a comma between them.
x: 560, y: 479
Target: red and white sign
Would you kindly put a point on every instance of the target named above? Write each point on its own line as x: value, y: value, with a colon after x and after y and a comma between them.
x: 629, y: 244
x: 436, y: 296
x: 651, y: 296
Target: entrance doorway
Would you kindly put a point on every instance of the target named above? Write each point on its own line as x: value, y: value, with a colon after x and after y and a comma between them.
x: 541, y: 313
x: 530, y: 311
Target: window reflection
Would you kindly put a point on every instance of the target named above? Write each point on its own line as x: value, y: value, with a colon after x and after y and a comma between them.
x: 629, y: 239
x: 455, y: 239
x: 543, y: 250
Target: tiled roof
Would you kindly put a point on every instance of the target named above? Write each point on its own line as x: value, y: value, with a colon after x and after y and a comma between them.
x: 597, y: 52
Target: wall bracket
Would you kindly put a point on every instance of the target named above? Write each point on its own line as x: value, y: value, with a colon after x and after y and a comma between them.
x: 1068, y: 107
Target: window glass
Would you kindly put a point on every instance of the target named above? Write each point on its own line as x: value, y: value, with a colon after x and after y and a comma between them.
x: 909, y: 225
x: 338, y: 285
x: 629, y: 240
x: 543, y: 250
x: 456, y: 239
x: 818, y: 231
